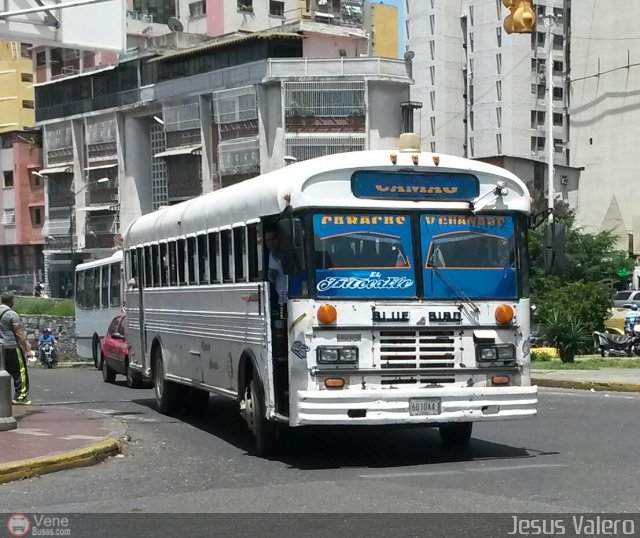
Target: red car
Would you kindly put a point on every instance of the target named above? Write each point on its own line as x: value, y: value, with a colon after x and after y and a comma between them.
x: 115, y: 353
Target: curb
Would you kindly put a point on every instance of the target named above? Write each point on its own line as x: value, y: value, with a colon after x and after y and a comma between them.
x: 81, y: 457
x: 586, y: 385
x: 66, y: 364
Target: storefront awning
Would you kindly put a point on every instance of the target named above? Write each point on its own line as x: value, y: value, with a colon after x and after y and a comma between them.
x: 104, y: 207
x: 102, y: 166
x: 68, y: 169
x: 183, y: 150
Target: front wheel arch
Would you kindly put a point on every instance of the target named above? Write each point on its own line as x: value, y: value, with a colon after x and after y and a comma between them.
x: 247, y: 367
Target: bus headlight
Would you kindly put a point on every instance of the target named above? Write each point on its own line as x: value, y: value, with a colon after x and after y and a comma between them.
x: 504, y: 353
x: 337, y: 355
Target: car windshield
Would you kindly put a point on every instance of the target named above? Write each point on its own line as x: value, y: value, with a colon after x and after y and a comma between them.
x: 469, y: 256
x: 363, y: 255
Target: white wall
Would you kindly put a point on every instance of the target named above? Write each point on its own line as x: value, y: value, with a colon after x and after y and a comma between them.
x: 385, y: 113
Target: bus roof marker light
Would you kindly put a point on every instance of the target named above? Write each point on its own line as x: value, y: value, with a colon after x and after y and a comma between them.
x: 415, y: 159
x: 394, y: 158
x: 436, y: 160
x: 327, y: 314
x: 504, y: 314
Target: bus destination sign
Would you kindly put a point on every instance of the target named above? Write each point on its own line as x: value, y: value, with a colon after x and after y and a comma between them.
x: 410, y: 186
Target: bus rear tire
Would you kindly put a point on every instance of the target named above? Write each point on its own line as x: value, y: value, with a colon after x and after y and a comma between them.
x: 167, y: 393
x: 456, y: 434
x: 95, y: 350
x: 264, y: 431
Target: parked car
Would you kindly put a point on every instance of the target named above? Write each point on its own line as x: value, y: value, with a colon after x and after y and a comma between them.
x: 625, y: 298
x: 115, y: 353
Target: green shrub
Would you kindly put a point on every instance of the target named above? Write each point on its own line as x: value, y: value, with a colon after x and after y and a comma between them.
x: 45, y: 307
x: 568, y: 333
x: 541, y: 356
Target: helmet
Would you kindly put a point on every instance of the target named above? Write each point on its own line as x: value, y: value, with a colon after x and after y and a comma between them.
x: 47, y: 330
x: 634, y: 306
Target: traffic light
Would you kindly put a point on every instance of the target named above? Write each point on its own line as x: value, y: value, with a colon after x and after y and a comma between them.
x: 521, y: 19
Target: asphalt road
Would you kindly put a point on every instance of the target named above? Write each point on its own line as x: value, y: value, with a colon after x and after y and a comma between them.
x: 579, y: 455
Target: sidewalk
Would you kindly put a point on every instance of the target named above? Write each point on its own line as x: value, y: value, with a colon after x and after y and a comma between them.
x: 50, y: 438
x: 611, y: 379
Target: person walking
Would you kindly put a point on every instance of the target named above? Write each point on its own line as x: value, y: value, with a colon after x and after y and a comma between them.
x: 16, y: 349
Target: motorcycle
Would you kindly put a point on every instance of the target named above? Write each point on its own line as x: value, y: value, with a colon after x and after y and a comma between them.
x: 47, y: 355
x: 615, y: 345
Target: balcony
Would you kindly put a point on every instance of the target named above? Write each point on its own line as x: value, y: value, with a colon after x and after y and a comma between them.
x: 386, y: 68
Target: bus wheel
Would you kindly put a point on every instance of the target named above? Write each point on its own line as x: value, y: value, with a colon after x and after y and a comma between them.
x: 166, y: 391
x: 133, y: 381
x: 264, y: 431
x: 456, y: 433
x: 95, y: 348
x: 108, y: 373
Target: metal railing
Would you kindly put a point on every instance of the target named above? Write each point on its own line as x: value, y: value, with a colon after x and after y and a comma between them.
x: 337, y: 67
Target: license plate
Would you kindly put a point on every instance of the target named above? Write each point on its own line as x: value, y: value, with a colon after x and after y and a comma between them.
x: 424, y: 406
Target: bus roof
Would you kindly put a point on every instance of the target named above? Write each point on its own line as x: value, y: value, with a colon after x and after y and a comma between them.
x: 322, y: 182
x: 116, y: 257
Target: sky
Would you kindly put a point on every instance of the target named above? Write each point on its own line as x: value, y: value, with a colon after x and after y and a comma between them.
x: 400, y: 5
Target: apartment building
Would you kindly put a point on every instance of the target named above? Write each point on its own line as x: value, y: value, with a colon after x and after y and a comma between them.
x: 159, y: 128
x: 16, y: 87
x: 485, y: 92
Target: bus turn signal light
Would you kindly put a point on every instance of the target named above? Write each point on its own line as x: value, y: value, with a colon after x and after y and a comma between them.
x: 334, y: 383
x: 327, y: 314
x: 500, y: 380
x: 504, y: 314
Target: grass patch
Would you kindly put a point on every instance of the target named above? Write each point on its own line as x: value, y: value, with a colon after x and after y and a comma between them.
x: 586, y: 363
x: 44, y: 307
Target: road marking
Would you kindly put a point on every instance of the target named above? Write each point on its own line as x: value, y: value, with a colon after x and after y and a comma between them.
x: 31, y: 431
x: 589, y: 394
x: 467, y: 469
x: 81, y: 437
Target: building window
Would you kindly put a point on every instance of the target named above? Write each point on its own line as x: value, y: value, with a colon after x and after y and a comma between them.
x: 41, y: 59
x: 541, y: 12
x: 432, y: 49
x: 27, y: 103
x: 499, y: 90
x: 499, y: 143
x: 26, y: 77
x: 558, y: 67
x: 537, y: 143
x: 499, y: 36
x: 558, y: 145
x: 8, y: 178
x: 471, y: 146
x: 276, y: 8
x: 36, y: 181
x: 499, y: 63
x: 499, y: 116
x: 158, y: 10
x: 432, y: 24
x: 432, y: 72
x: 433, y: 147
x: 558, y: 42
x: 432, y: 122
x: 37, y: 216
x: 471, y: 42
x: 198, y: 9
x: 499, y: 9
x: 557, y: 119
x: 471, y: 120
x: 245, y: 5
x: 24, y: 50
x: 471, y: 15
x: 9, y: 217
x: 558, y: 93
x: 432, y: 99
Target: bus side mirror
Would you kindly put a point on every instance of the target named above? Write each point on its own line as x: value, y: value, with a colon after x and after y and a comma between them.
x: 290, y: 236
x: 554, y: 248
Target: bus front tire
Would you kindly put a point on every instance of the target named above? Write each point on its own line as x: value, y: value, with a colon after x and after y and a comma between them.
x: 167, y: 393
x: 265, y: 432
x: 456, y: 433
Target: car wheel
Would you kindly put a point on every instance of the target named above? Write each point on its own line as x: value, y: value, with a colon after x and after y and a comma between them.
x: 133, y: 381
x: 108, y: 373
x: 96, y: 352
x: 456, y: 433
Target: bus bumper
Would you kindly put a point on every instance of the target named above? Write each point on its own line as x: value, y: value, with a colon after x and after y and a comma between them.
x: 391, y: 406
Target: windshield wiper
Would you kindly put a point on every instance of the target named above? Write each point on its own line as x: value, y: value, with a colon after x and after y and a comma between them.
x: 456, y: 289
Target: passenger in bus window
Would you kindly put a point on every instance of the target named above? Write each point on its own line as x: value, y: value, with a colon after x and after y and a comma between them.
x: 275, y: 273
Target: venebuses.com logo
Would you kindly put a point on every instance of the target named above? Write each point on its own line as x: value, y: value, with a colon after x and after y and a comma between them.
x: 18, y: 525
x: 38, y: 525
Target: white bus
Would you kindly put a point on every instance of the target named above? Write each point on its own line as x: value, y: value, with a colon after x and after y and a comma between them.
x: 407, y: 297
x: 98, y: 298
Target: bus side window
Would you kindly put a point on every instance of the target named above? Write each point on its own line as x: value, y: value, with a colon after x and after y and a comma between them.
x: 155, y: 262
x: 105, y: 286
x: 213, y: 257
x: 254, y: 250
x: 96, y: 287
x: 227, y: 255
x: 240, y: 253
x: 164, y: 265
x: 133, y: 264
x: 203, y: 273
x: 182, y: 279
x: 115, y: 284
x: 191, y: 260
x: 173, y: 270
x: 148, y: 268
x: 80, y: 277
x: 140, y: 275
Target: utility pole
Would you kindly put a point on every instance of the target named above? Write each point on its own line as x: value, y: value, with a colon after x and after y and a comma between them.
x: 550, y: 171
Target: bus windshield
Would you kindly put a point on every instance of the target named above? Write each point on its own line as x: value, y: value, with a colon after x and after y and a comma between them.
x: 472, y: 256
x: 363, y: 255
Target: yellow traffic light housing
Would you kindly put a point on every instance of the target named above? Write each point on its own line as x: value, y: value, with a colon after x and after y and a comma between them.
x: 522, y: 18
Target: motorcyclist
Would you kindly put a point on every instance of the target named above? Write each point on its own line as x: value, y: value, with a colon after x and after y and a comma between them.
x: 631, y: 319
x: 47, y: 338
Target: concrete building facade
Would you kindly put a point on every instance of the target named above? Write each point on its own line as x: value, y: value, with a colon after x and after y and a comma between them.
x: 16, y: 87
x: 485, y: 92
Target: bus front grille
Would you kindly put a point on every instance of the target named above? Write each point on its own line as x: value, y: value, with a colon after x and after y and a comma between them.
x: 415, y: 349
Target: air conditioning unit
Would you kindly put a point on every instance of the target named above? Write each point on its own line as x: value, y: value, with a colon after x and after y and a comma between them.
x: 564, y: 180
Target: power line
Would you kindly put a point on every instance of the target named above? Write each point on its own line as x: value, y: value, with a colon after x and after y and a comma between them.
x: 597, y: 75
x: 604, y: 38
